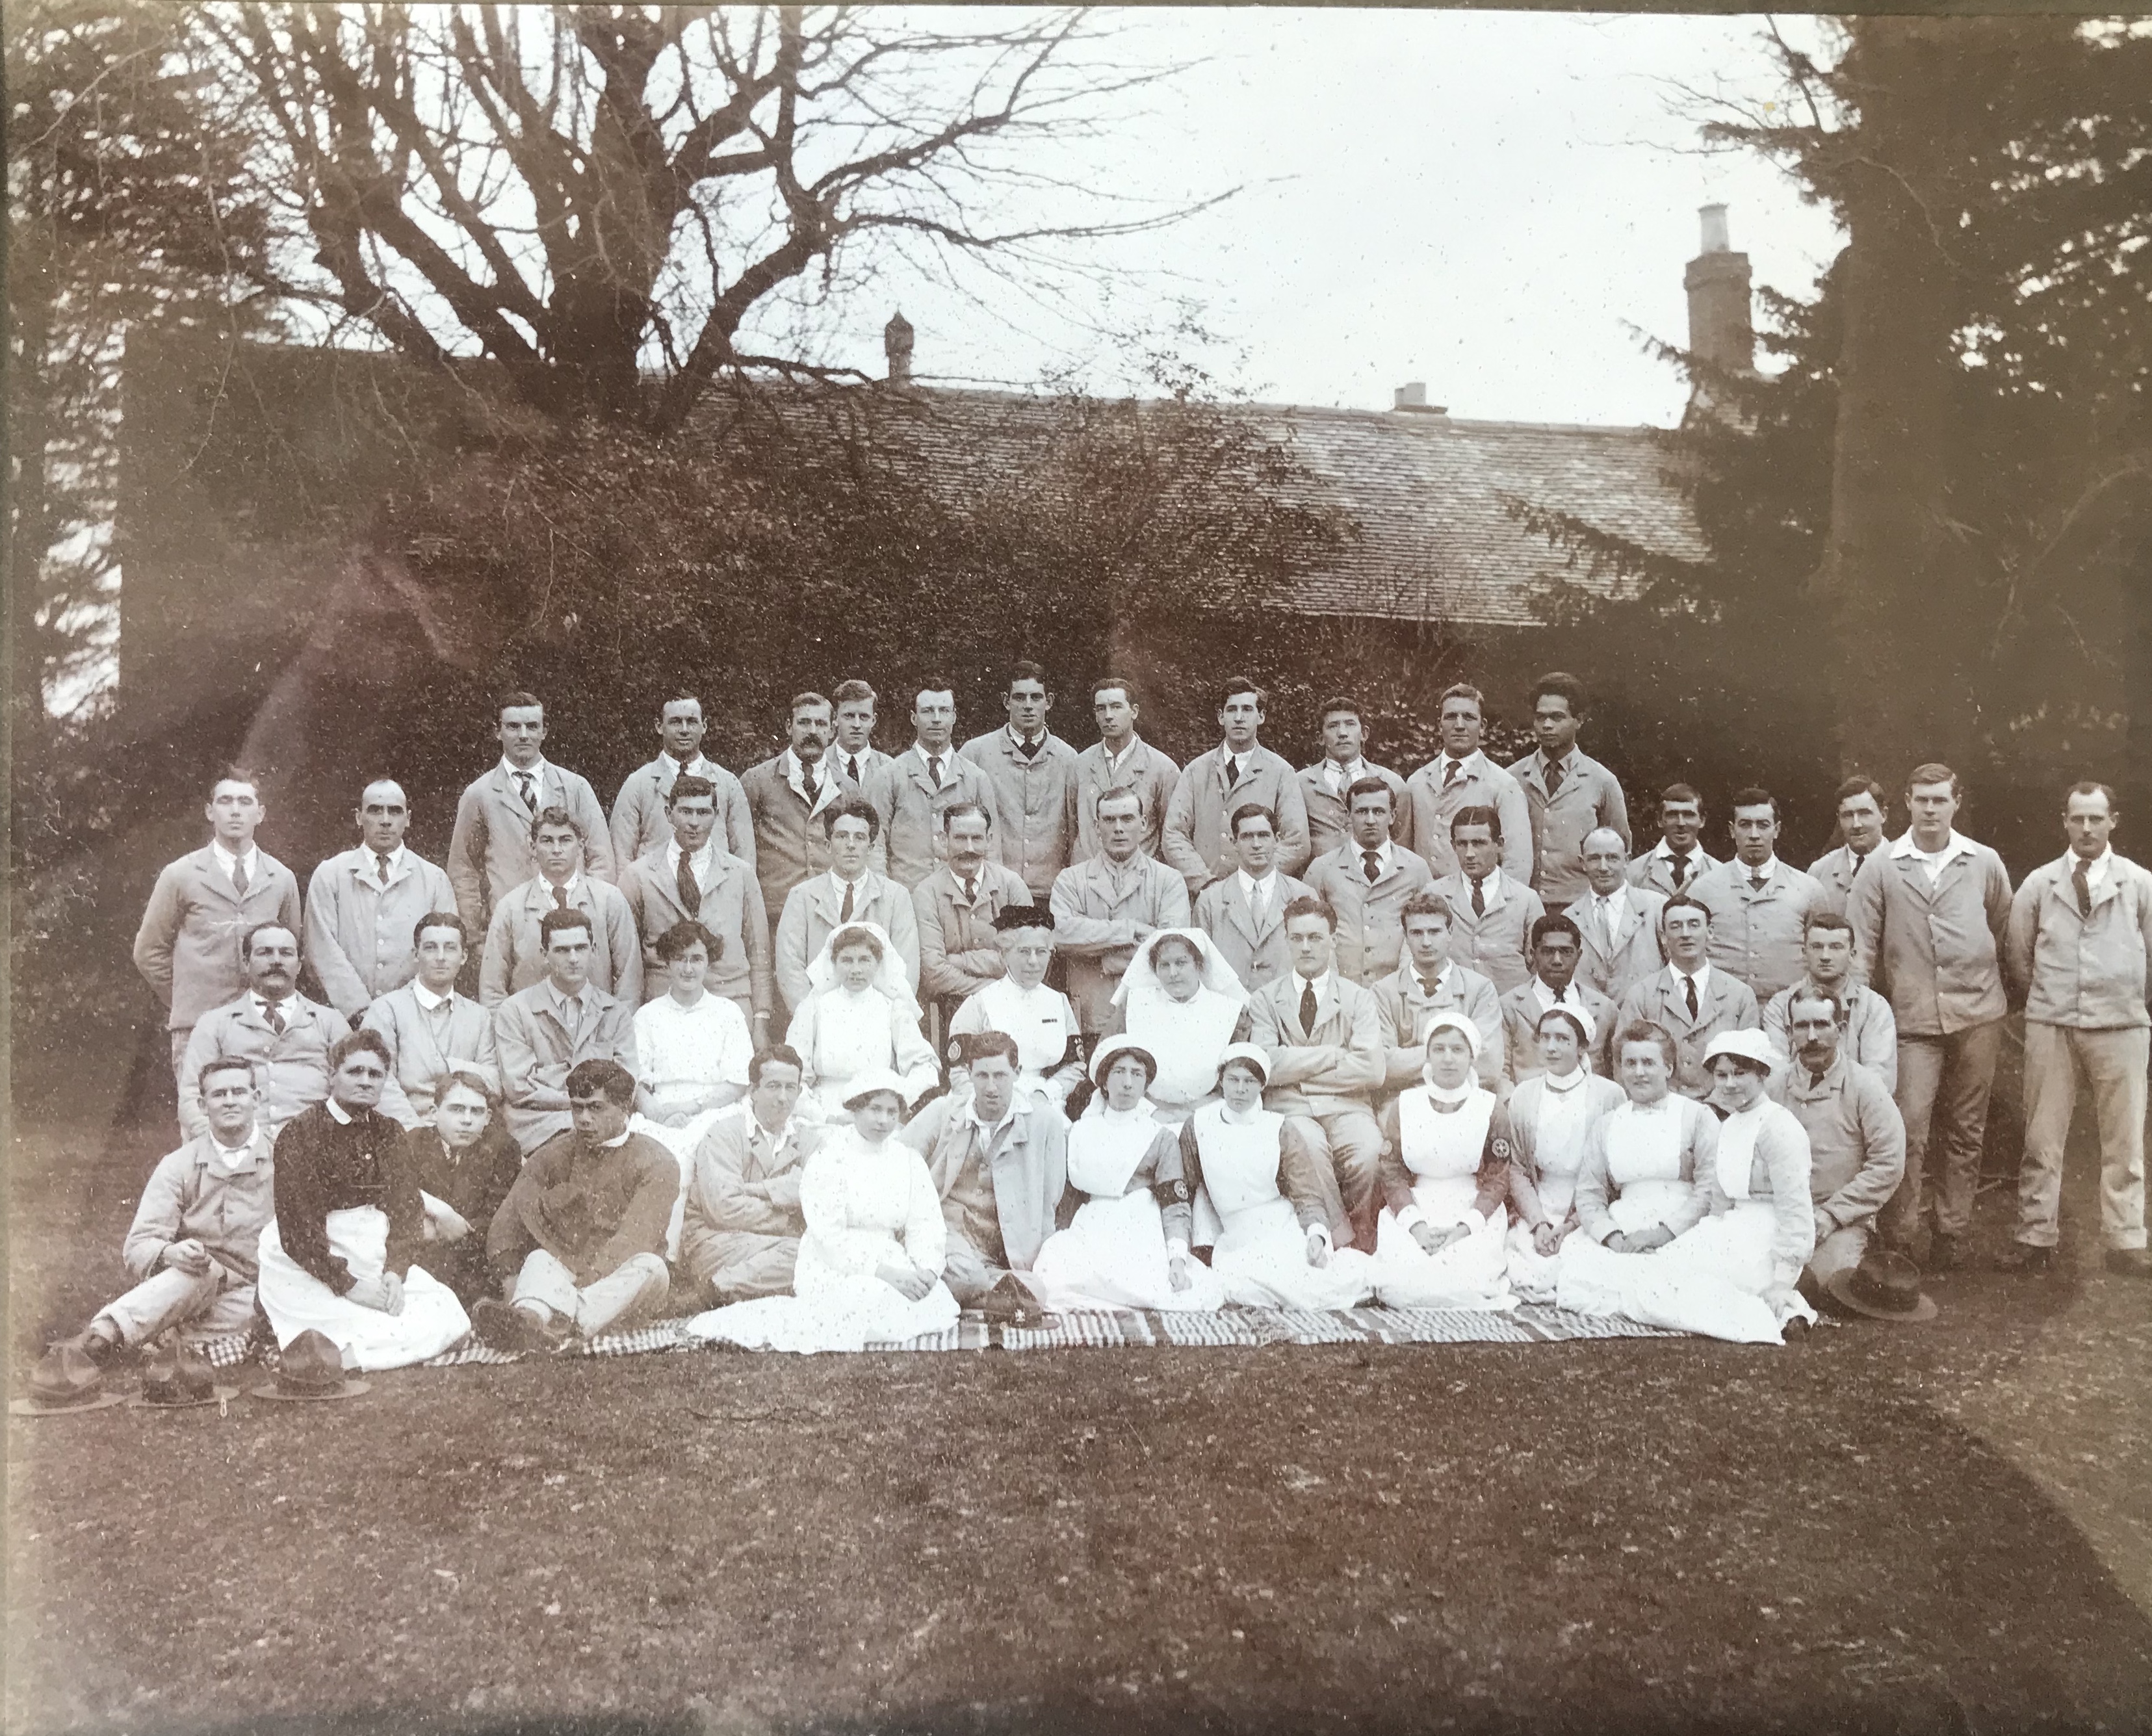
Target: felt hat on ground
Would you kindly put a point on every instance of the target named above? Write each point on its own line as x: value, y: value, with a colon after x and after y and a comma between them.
x: 179, y: 1376
x: 67, y: 1378
x: 310, y: 1366
x: 1885, y: 1285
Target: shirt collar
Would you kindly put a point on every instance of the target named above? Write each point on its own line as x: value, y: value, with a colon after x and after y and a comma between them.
x: 1567, y: 762
x: 687, y: 767
x: 1017, y: 1106
x: 1701, y: 975
x: 701, y: 858
x: 1769, y: 870
x: 426, y: 999
x: 337, y: 1113
x: 561, y: 1001
x: 1118, y: 760
x: 1548, y: 1000
x: 367, y: 854
x: 536, y: 770
x: 2097, y: 868
x: 1953, y: 845
x: 756, y: 1131
x: 1443, y: 978
x: 262, y: 1002
x: 614, y: 1144
x: 1326, y: 990
x: 838, y: 883
x: 225, y: 858
x: 1017, y: 741
x: 945, y: 756
x: 234, y: 1160
x: 544, y: 887
x: 794, y: 764
x: 1248, y: 882
x: 1342, y: 778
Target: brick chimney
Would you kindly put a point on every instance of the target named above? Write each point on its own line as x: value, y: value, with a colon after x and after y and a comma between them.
x: 1717, y: 281
x: 896, y: 345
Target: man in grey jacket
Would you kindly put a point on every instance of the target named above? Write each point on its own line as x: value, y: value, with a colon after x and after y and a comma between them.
x: 362, y: 906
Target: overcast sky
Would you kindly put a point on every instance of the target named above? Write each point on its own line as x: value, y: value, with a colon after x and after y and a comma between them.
x: 1485, y: 201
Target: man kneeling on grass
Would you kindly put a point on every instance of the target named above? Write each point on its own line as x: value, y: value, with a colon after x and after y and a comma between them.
x: 579, y: 1240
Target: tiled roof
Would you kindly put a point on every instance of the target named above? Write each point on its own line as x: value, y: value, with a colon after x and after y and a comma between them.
x: 1432, y: 495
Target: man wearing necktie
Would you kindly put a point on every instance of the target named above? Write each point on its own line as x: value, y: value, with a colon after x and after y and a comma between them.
x: 851, y: 891
x: 430, y: 1028
x: 1244, y: 911
x: 1198, y: 835
x: 1619, y: 922
x: 362, y: 906
x: 913, y: 791
x: 286, y: 1037
x: 1693, y: 1001
x: 1324, y: 1037
x: 955, y: 907
x: 853, y: 751
x: 692, y: 876
x: 1106, y: 907
x: 639, y: 821
x: 1569, y: 793
x: 1759, y: 906
x: 1462, y: 776
x: 2077, y: 952
x: 1325, y: 787
x: 1556, y: 946
x: 1428, y: 981
x: 1494, y: 910
x: 1675, y: 862
x: 542, y: 1032
x: 1862, y: 809
x: 514, y: 956
x: 490, y: 851
x: 1367, y: 878
x: 1034, y: 775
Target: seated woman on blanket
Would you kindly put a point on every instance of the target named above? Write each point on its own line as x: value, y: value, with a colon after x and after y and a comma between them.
x: 1550, y: 1113
x: 870, y: 1257
x: 466, y: 1162
x: 1645, y: 1184
x: 1276, y: 1201
x: 859, y: 1018
x: 1760, y: 1228
x: 1180, y: 1001
x: 1127, y: 1216
x: 1445, y: 1181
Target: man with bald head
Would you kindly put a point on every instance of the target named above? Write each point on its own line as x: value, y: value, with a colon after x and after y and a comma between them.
x: 1618, y: 921
x: 363, y: 906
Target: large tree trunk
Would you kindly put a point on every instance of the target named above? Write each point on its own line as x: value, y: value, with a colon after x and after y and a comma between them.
x: 1891, y: 567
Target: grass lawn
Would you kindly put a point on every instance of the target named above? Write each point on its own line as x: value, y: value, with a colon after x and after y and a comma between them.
x: 1944, y: 1528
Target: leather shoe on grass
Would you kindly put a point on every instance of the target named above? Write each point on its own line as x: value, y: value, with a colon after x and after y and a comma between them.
x: 2129, y: 1263
x: 2023, y: 1257
x: 504, y: 1326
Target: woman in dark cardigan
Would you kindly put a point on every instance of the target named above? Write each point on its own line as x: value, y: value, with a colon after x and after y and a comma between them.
x: 466, y: 1161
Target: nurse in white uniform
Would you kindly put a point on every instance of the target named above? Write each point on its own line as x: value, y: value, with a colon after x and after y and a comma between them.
x: 858, y: 1017
x: 1179, y: 1000
x: 1551, y: 1112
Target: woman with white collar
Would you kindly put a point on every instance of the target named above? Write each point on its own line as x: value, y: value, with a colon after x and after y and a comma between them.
x: 1552, y: 1113
x: 1445, y: 1179
x: 1179, y: 1001
x: 1276, y: 1201
x: 859, y: 1018
x: 870, y: 1258
x: 1647, y: 1181
x: 1126, y: 1217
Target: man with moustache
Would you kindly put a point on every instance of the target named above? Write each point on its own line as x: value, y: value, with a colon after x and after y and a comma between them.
x: 788, y: 797
x: 361, y: 905
x: 1121, y: 759
x: 1856, y: 1138
x: 955, y: 907
x: 640, y: 824
x: 286, y: 1037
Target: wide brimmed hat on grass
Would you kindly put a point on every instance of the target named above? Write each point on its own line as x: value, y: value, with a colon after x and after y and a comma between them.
x: 67, y: 1378
x: 1885, y: 1285
x: 310, y: 1366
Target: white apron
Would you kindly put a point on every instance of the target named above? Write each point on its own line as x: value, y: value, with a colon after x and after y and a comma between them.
x: 1260, y: 1258
x: 1558, y: 1129
x: 1442, y: 1152
x: 296, y: 1300
x: 1113, y: 1254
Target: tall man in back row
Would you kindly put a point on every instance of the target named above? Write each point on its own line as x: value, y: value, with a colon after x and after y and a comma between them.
x: 362, y: 906
x: 1570, y: 794
x: 1121, y: 759
x: 1462, y: 776
x: 1034, y: 775
x: 490, y: 851
x: 789, y: 797
x: 914, y: 789
x: 639, y: 812
x: 1675, y: 862
x: 1239, y: 772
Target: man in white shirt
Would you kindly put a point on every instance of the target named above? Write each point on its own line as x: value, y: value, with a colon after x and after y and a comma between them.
x: 429, y: 1028
x: 1556, y: 946
x: 1759, y: 906
x: 1868, y: 1034
x: 1368, y: 877
x: 1121, y: 759
x: 543, y: 1032
x: 1619, y: 922
x: 692, y: 877
x: 1049, y: 1040
x: 514, y: 956
x: 788, y: 795
x: 1462, y: 776
x: 1862, y: 809
x: 639, y: 822
x: 913, y: 789
x: 851, y: 891
x: 490, y: 851
x: 1198, y: 838
x: 1033, y: 773
x: 286, y: 1037
x: 1244, y: 911
x: 1671, y: 865
x: 1492, y: 908
x: 740, y: 1232
x: 1428, y: 981
x: 1326, y: 786
x: 1693, y: 1002
x: 1570, y: 793
x: 854, y: 752
x: 361, y: 905
x: 1105, y: 907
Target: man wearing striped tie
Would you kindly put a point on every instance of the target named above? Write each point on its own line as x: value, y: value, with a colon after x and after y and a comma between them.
x: 490, y: 851
x: 1673, y: 863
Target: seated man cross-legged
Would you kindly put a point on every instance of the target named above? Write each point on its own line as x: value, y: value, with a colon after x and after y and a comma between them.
x: 740, y: 1234
x: 579, y: 1241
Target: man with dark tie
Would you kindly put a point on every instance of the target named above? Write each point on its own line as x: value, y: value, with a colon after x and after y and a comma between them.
x: 1618, y: 923
x: 1862, y: 809
x: 1671, y: 865
x: 851, y: 891
x: 490, y: 851
x: 1556, y: 948
x: 1428, y: 981
x: 912, y: 791
x: 1462, y: 776
x: 362, y: 906
x: 188, y: 948
x: 955, y: 907
x: 789, y: 796
x: 692, y: 877
x: 514, y: 956
x: 286, y: 1037
x: 854, y: 753
x: 1693, y: 1002
x: 543, y: 1032
x: 1570, y: 794
x: 1759, y: 906
x: 639, y: 821
x: 1368, y: 877
x: 1493, y: 910
x: 1121, y: 759
x: 1109, y: 905
x: 1034, y: 775
x: 1326, y: 786
x: 741, y: 1226
x: 1239, y: 772
x: 1244, y: 911
x: 428, y: 1027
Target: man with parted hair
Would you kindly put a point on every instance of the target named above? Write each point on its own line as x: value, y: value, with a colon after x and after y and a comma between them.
x: 1856, y: 1137
x: 913, y: 791
x: 1428, y: 981
x: 1618, y: 923
x: 284, y: 1036
x: 854, y: 750
x: 1862, y: 809
x: 1324, y: 1036
x: 1759, y: 906
x: 1034, y: 775
x: 1556, y: 946
x: 1107, y: 906
x: 2078, y: 951
x: 1121, y: 759
x: 692, y: 877
x: 579, y: 1243
x: 489, y: 852
x: 515, y: 954
x: 1244, y: 911
x: 1368, y: 877
x: 430, y: 1029
x: 1492, y: 910
x: 740, y: 1230
x: 1690, y: 999
x: 1928, y: 914
x: 1670, y: 865
x: 361, y: 905
x: 955, y: 907
x: 1462, y: 776
x: 1868, y: 1034
x: 1570, y: 794
x: 1239, y: 772
x: 188, y: 947
x: 542, y: 1032
x: 787, y: 797
x: 640, y: 821
x: 850, y: 892
x: 1326, y: 787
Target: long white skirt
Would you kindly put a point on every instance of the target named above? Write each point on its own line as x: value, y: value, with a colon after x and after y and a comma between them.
x: 1112, y: 1256
x: 830, y: 1310
x: 1261, y: 1261
x: 296, y: 1300
x: 1709, y: 1280
x: 684, y: 1142
x: 1534, y: 1276
x: 1473, y: 1273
